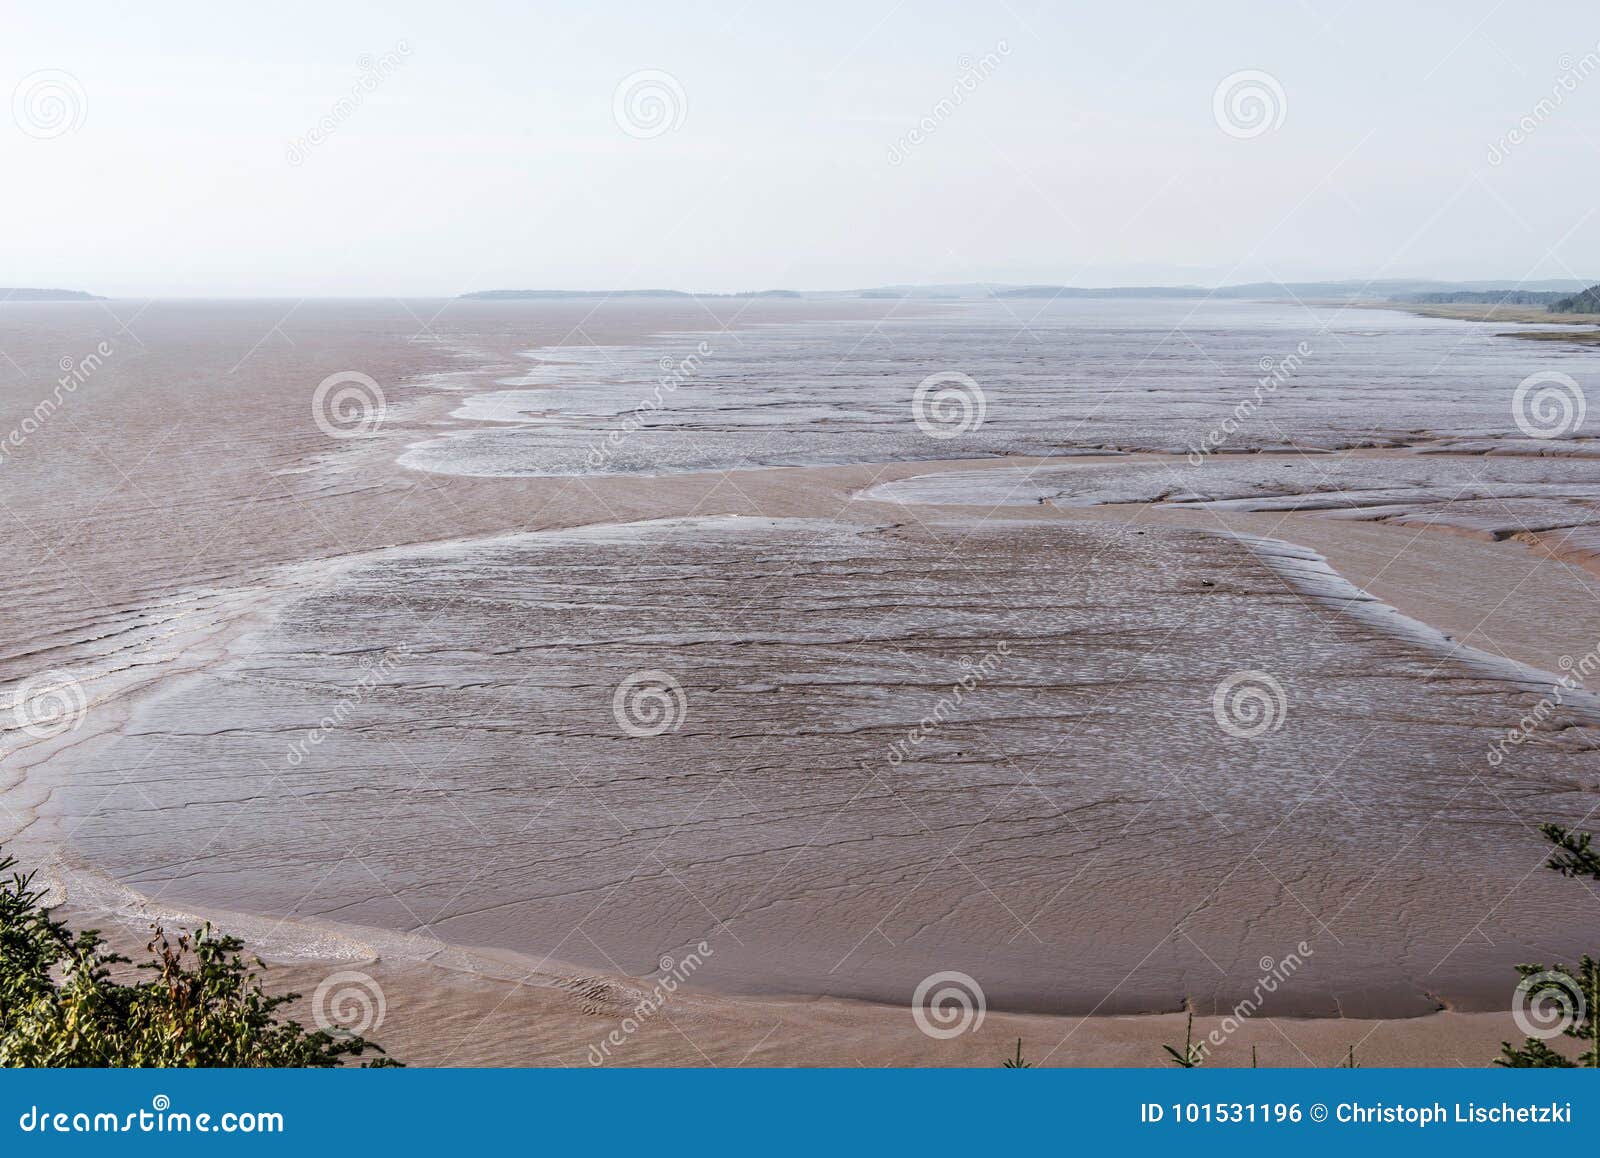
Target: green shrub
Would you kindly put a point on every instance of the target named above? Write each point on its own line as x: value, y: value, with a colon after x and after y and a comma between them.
x: 1194, y: 1054
x: 202, y: 1004
x: 1576, y: 989
x: 1016, y: 1061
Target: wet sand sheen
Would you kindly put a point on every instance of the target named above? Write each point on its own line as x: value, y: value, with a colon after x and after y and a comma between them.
x: 1078, y: 733
x: 567, y: 1004
x: 1137, y: 567
x: 1442, y: 561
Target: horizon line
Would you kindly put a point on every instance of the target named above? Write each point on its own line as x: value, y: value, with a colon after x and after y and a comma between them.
x: 885, y: 291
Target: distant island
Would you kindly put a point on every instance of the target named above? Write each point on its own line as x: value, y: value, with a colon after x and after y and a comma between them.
x: 550, y: 295
x: 1525, y: 303
x: 1394, y: 289
x: 47, y: 295
x: 1549, y: 293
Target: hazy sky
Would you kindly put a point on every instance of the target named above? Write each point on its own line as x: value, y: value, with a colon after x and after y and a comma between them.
x: 491, y: 154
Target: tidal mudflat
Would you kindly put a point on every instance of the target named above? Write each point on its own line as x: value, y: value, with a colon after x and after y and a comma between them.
x: 623, y: 634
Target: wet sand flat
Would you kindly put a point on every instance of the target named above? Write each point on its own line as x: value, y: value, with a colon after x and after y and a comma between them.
x: 1074, y: 798
x: 931, y: 705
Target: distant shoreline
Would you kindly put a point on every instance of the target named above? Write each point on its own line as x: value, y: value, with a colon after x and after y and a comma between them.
x: 1348, y: 291
x: 1515, y: 315
x: 47, y: 295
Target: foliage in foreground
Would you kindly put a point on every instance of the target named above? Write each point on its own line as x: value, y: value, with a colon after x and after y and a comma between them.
x: 1576, y: 990
x: 1192, y: 1056
x: 202, y: 1004
x: 1017, y: 1061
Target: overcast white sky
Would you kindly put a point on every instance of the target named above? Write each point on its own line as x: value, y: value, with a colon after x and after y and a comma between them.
x: 491, y: 156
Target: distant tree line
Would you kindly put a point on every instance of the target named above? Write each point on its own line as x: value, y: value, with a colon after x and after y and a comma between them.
x: 1588, y: 302
x: 1487, y: 298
